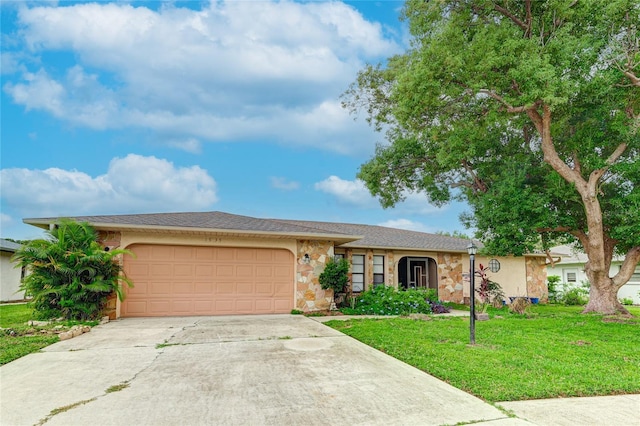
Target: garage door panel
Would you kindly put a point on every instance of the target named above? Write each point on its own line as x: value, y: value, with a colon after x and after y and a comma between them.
x: 263, y: 271
x: 244, y: 271
x: 183, y: 253
x: 245, y: 255
x: 183, y: 270
x: 202, y: 271
x: 281, y: 271
x: 205, y: 253
x: 263, y: 305
x: 191, y: 280
x: 203, y: 307
x: 160, y: 270
x: 184, y: 288
x: 281, y: 305
x: 136, y: 308
x: 225, y: 288
x: 222, y: 255
x: 182, y: 307
x: 203, y: 288
x: 162, y: 252
x: 157, y: 307
x: 224, y: 271
x: 244, y: 288
x: 264, y: 289
x: 224, y: 306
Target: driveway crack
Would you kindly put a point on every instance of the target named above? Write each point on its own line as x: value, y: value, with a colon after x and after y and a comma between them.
x: 114, y: 388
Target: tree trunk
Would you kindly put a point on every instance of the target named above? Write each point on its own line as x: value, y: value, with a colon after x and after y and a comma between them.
x: 603, y: 295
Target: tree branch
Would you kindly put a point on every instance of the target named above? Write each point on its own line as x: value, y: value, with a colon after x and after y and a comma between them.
x: 513, y: 17
x: 616, y: 154
x: 628, y: 267
x: 510, y: 108
x: 598, y: 173
x: 635, y: 81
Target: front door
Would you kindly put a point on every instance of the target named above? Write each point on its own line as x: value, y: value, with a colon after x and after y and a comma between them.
x: 417, y: 272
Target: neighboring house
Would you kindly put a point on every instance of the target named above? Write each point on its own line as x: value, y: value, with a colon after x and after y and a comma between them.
x: 570, y: 269
x: 10, y: 276
x: 216, y: 263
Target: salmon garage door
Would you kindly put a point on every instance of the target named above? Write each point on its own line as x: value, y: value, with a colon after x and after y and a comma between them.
x: 190, y: 280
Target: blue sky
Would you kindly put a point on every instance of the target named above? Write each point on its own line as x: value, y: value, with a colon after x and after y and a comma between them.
x: 145, y: 107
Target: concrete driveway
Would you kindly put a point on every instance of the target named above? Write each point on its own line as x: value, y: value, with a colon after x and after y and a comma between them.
x: 241, y: 370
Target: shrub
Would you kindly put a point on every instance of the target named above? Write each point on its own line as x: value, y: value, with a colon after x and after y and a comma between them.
x: 335, y: 275
x: 489, y: 292
x: 71, y: 275
x: 626, y: 301
x: 576, y: 296
x: 383, y: 300
x: 552, y: 287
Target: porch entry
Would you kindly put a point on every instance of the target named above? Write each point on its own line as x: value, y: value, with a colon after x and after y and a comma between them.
x: 417, y: 272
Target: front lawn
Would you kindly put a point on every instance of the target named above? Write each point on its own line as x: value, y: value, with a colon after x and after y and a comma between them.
x: 551, y: 352
x: 17, y: 339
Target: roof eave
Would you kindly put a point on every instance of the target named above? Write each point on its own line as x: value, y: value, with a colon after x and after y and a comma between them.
x: 337, y: 238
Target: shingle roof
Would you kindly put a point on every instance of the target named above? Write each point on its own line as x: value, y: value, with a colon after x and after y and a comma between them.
x: 383, y: 237
x: 346, y: 234
x: 10, y: 246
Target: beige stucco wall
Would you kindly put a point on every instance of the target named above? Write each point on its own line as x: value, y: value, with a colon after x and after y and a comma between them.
x: 10, y: 279
x: 518, y: 276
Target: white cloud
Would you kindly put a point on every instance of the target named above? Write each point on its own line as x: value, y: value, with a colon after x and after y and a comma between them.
x: 229, y: 71
x: 131, y: 184
x: 407, y: 224
x: 191, y: 145
x: 5, y: 220
x: 352, y: 192
x: 355, y: 192
x: 284, y: 184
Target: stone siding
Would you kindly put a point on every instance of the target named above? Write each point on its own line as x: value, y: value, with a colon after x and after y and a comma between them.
x: 391, y: 267
x: 450, y: 288
x: 309, y: 295
x: 537, y: 278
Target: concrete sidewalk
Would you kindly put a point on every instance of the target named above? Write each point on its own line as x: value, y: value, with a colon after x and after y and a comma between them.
x: 619, y: 410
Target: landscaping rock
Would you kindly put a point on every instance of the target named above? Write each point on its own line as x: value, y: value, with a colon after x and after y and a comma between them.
x: 33, y: 322
x: 65, y: 335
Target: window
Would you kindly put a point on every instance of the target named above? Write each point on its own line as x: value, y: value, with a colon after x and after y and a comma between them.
x: 357, y: 273
x: 570, y: 275
x: 378, y: 270
x: 338, y: 256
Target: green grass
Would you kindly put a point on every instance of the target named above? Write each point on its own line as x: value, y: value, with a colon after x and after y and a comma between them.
x: 13, y: 341
x: 553, y: 351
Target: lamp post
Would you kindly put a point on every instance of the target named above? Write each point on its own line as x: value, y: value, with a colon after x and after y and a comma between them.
x: 472, y: 250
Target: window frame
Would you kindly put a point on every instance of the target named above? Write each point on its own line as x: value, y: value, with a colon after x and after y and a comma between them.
x: 359, y: 274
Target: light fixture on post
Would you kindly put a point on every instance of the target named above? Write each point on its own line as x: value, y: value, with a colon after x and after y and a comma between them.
x: 472, y: 250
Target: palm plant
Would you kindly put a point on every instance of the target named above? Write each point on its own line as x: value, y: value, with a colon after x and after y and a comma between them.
x: 70, y: 273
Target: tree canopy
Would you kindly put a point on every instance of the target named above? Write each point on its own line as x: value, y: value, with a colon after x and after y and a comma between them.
x: 529, y: 111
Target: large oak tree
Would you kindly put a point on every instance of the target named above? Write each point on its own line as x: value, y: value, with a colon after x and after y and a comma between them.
x: 529, y: 111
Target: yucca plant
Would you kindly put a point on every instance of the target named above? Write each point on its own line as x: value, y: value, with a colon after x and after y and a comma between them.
x: 70, y: 273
